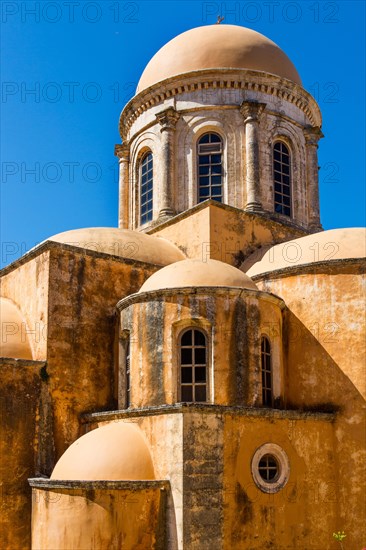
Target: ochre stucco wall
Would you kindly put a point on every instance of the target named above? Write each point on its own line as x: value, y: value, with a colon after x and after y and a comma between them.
x: 98, y: 518
x: 22, y: 417
x: 27, y: 286
x: 205, y: 452
x: 81, y: 359
x: 324, y: 343
x: 224, y: 233
x: 303, y: 513
x: 233, y: 321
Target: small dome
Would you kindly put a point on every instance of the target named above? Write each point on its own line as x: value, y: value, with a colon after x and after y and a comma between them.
x: 196, y: 273
x: 217, y: 47
x: 123, y: 243
x: 14, y: 338
x: 335, y: 244
x: 116, y: 451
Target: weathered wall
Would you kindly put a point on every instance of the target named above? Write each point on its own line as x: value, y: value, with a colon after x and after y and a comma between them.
x: 99, y: 515
x: 206, y: 453
x: 325, y: 369
x: 303, y: 513
x: 27, y: 286
x: 233, y: 321
x: 22, y: 418
x: 224, y: 233
x: 84, y: 290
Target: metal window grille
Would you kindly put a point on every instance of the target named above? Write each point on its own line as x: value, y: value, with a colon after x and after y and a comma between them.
x: 282, y: 178
x: 146, y: 188
x: 268, y: 468
x: 209, y: 152
x: 193, y: 366
x: 266, y: 368
x: 128, y: 375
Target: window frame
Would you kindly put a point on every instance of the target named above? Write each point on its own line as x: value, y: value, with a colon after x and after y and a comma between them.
x: 146, y: 217
x: 280, y: 182
x: 124, y: 373
x: 200, y: 198
x: 266, y: 361
x: 193, y: 346
x: 283, y: 468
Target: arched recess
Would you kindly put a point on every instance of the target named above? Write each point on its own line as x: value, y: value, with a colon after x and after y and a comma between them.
x: 179, y: 328
x: 294, y: 140
x: 187, y: 139
x: 144, y: 144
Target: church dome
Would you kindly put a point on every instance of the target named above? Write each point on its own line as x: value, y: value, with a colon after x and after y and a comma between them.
x: 196, y: 273
x: 116, y: 451
x: 14, y: 339
x: 217, y: 47
x: 335, y: 244
x: 123, y: 243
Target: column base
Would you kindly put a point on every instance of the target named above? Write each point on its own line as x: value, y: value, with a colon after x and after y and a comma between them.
x: 253, y: 207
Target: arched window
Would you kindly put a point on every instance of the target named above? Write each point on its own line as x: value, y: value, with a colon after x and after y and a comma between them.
x: 128, y: 374
x: 209, y: 153
x: 282, y: 178
x: 266, y: 369
x: 146, y: 188
x: 193, y: 366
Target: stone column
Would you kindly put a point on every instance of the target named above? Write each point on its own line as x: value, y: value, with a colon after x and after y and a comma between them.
x: 312, y: 136
x: 252, y: 112
x: 167, y: 120
x: 123, y: 153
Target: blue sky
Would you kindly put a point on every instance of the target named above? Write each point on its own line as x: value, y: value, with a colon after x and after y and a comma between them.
x: 68, y: 67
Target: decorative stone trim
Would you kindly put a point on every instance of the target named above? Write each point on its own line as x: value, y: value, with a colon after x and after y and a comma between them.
x: 161, y: 294
x: 324, y: 266
x: 205, y: 408
x: 134, y: 485
x: 256, y: 81
x: 283, y: 468
x: 122, y: 151
x: 252, y: 110
x: 313, y: 135
x: 168, y: 119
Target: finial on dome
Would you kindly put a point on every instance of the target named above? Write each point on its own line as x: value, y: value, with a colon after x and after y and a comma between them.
x: 219, y: 20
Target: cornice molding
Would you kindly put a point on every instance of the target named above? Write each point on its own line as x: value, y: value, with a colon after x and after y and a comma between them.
x: 219, y: 79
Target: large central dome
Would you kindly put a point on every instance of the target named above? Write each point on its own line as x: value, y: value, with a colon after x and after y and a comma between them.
x: 217, y: 47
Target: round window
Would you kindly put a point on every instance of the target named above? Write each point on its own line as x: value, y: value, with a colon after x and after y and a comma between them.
x: 270, y: 468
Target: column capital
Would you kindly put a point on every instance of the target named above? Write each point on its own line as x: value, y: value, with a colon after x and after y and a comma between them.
x: 252, y: 110
x: 313, y: 135
x: 122, y: 151
x: 168, y: 119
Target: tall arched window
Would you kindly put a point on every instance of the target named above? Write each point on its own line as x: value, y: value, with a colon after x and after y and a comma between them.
x: 146, y: 188
x: 128, y: 374
x: 282, y: 178
x: 209, y: 153
x: 193, y: 366
x: 266, y: 369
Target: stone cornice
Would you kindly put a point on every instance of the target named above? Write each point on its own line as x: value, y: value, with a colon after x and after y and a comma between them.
x: 159, y: 294
x: 47, y: 246
x: 219, y: 79
x: 204, y: 408
x: 347, y: 265
x: 129, y: 485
